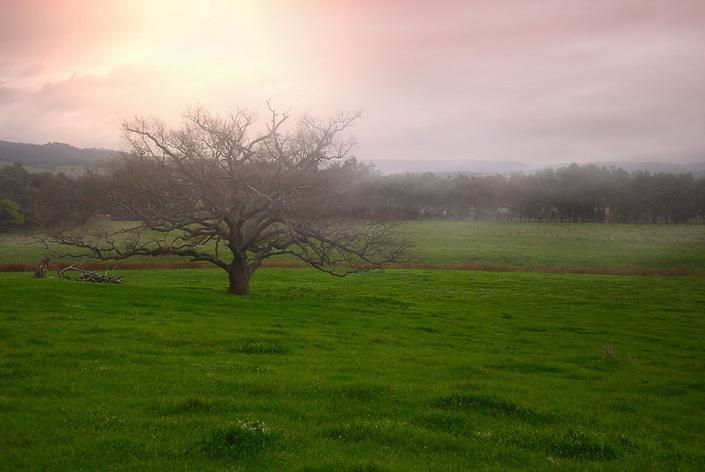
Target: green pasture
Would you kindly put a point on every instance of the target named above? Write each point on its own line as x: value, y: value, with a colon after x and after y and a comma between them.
x: 513, y: 245
x: 397, y: 370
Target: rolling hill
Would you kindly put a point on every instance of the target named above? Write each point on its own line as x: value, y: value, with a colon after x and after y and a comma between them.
x: 52, y: 157
x: 61, y: 157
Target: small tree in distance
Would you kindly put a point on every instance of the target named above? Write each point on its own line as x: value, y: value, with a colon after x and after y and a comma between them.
x: 211, y: 192
x: 10, y: 214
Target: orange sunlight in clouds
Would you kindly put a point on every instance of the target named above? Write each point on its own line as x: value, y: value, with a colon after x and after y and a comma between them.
x: 184, y: 33
x: 207, y: 48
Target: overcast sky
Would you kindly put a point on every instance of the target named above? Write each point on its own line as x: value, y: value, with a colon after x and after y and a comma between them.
x: 527, y: 80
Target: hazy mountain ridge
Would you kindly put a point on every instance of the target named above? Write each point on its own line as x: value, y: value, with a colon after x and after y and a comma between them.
x: 54, y: 157
x: 51, y: 154
x: 480, y: 167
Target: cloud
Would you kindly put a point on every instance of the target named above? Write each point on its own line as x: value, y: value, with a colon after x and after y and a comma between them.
x: 84, y: 109
x: 545, y: 80
x: 8, y: 95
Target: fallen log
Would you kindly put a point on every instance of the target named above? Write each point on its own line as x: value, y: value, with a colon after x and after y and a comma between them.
x: 87, y: 276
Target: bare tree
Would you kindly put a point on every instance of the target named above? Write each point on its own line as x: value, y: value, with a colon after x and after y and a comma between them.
x: 211, y: 192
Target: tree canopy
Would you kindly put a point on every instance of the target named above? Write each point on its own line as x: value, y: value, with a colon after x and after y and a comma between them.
x: 214, y: 190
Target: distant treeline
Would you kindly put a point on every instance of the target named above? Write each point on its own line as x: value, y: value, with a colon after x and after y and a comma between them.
x: 30, y: 200
x: 573, y: 194
x: 569, y: 194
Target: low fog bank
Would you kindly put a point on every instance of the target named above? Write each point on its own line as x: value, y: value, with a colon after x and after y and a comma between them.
x: 489, y: 167
x: 574, y: 193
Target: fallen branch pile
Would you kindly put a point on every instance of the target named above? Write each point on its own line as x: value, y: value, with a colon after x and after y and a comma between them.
x: 87, y: 276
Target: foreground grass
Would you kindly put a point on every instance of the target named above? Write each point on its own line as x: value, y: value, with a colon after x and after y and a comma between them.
x: 510, y: 245
x: 402, y: 370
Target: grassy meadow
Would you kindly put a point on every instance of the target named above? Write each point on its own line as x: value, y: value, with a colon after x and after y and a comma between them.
x: 509, y: 246
x: 403, y: 370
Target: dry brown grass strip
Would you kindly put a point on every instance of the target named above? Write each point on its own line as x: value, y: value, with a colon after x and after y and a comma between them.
x: 490, y: 267
x: 17, y: 267
x: 293, y: 264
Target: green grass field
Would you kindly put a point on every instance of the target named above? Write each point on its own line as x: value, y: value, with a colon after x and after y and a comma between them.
x: 513, y: 245
x: 396, y: 370
x: 530, y: 245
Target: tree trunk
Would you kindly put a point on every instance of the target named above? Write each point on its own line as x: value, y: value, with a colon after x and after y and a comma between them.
x: 239, y: 276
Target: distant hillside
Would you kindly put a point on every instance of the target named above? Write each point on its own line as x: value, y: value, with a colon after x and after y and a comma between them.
x: 60, y: 157
x: 51, y: 155
x: 472, y: 167
x: 441, y: 166
x: 696, y: 168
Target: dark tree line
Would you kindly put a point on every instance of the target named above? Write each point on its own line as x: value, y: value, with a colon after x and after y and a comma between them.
x: 570, y: 194
x: 45, y: 199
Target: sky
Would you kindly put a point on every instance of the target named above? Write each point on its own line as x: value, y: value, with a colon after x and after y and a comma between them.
x: 537, y: 81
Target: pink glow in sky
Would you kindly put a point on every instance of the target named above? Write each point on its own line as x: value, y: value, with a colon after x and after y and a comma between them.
x: 526, y: 80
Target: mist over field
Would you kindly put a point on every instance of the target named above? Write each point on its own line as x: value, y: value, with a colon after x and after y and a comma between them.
x: 352, y: 236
